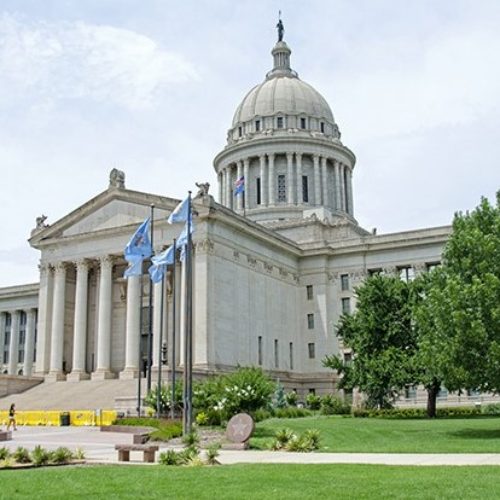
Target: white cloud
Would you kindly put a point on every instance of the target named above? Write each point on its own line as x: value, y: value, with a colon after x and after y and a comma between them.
x: 80, y: 60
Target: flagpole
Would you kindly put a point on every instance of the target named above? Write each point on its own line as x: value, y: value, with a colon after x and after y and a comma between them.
x: 150, y: 331
x: 174, y: 316
x: 188, y: 341
x: 160, y: 344
x: 140, y: 350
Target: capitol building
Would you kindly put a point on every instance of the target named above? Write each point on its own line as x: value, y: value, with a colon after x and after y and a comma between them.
x: 274, y: 267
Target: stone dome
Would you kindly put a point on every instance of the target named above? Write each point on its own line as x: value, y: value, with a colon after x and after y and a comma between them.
x: 284, y: 94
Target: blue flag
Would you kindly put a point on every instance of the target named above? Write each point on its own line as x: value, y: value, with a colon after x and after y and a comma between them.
x: 180, y: 213
x: 138, y: 249
x: 183, y: 239
x: 160, y: 263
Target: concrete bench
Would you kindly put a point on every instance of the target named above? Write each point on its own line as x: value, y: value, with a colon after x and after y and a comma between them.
x: 140, y: 435
x: 5, y: 435
x: 125, y: 449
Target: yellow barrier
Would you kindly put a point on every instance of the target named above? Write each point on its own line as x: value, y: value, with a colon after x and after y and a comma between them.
x: 53, y: 418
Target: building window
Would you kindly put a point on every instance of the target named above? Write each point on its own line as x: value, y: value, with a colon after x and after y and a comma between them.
x: 407, y: 273
x: 276, y: 354
x: 257, y: 125
x: 258, y: 190
x: 410, y: 392
x: 322, y: 127
x: 310, y: 321
x: 374, y: 272
x: 281, y: 188
x: 430, y: 266
x: 309, y: 291
x: 311, y: 350
x: 344, y: 282
x: 346, y: 305
x: 305, y: 189
x: 347, y: 358
x: 240, y: 131
x: 312, y: 390
x: 279, y: 122
x: 259, y: 350
x: 302, y: 123
x: 443, y: 392
x: 291, y: 355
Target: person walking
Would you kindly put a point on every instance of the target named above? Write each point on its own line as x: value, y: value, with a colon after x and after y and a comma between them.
x: 12, y: 417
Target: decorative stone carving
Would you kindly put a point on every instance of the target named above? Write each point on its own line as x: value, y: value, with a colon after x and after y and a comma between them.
x: 203, y: 188
x: 117, y: 179
x: 268, y: 267
x: 236, y: 255
x: 205, y: 246
x: 251, y: 261
x: 40, y: 222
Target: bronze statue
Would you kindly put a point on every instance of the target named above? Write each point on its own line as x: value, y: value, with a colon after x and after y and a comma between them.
x: 281, y: 30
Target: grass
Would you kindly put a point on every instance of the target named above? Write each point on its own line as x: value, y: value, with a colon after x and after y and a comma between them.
x: 377, y: 435
x: 253, y: 481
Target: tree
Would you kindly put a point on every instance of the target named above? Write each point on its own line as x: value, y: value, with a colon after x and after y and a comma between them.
x: 459, y: 318
x: 382, y: 337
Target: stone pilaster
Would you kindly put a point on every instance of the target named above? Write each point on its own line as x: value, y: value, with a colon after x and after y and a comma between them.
x: 103, y: 350
x: 272, y: 180
x: 29, y: 346
x: 317, y: 181
x: 57, y: 331
x: 300, y: 197
x: 289, y: 167
x: 324, y: 172
x: 80, y: 323
x: 248, y: 189
x: 338, y: 199
x: 14, y: 343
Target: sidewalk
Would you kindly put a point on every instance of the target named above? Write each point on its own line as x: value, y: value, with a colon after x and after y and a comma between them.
x: 99, y: 447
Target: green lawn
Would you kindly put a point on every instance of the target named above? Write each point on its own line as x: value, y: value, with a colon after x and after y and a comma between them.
x: 372, y: 435
x: 252, y: 481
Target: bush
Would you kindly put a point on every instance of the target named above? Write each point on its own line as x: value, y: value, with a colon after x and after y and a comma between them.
x: 292, y: 412
x: 330, y: 405
x: 169, y: 457
x: 167, y: 430
x: 212, y: 454
x: 21, y: 455
x: 40, y: 456
x: 202, y: 418
x: 447, y: 412
x: 61, y: 455
x: 262, y: 414
x: 165, y: 398
x: 4, y: 453
x: 291, y: 398
x: 491, y: 409
x: 286, y: 439
x: 313, y: 402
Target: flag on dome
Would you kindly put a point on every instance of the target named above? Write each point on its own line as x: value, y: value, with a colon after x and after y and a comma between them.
x: 138, y: 249
x: 181, y: 212
x: 239, y: 186
x: 160, y: 263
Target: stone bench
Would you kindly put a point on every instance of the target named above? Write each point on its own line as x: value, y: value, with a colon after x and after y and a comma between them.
x: 5, y: 435
x: 140, y: 435
x: 125, y: 449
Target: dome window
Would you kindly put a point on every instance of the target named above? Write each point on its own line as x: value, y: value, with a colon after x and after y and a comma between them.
x: 322, y: 127
x: 240, y: 131
x: 303, y: 123
x: 257, y: 125
x: 281, y: 188
x: 279, y: 122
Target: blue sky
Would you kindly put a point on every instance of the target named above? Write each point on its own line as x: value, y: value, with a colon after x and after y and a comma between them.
x: 150, y: 87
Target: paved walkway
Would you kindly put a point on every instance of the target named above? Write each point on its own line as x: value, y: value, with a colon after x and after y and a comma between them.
x: 99, y: 448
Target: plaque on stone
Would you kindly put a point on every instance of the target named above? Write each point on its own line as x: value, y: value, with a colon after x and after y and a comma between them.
x: 240, y: 428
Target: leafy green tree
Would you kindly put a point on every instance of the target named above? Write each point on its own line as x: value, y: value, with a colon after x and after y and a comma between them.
x: 459, y: 318
x: 381, y: 335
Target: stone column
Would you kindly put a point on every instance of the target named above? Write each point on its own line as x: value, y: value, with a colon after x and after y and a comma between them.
x: 336, y: 170
x: 157, y: 322
x: 324, y: 171
x: 3, y: 321
x: 44, y: 320
x: 220, y: 179
x: 57, y: 333
x: 289, y: 164
x: 317, y: 181
x: 132, y: 328
x: 342, y: 187
x: 350, y: 202
x: 272, y: 180
x: 238, y: 198
x: 229, y: 194
x: 14, y: 343
x: 248, y: 189
x: 80, y: 323
x: 29, y: 345
x: 263, y: 181
x: 300, y: 197
x: 103, y: 351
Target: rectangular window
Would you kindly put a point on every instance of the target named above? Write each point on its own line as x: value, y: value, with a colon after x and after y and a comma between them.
x: 257, y: 125
x: 347, y: 358
x: 305, y: 189
x: 374, y: 272
x: 276, y: 354
x: 258, y: 191
x: 344, y: 282
x: 6, y: 339
x: 279, y: 122
x: 311, y: 350
x: 259, y: 350
x: 6, y: 356
x: 406, y: 273
x: 309, y: 291
x: 312, y: 390
x: 310, y: 321
x: 443, y: 392
x: 302, y: 123
x: 322, y: 127
x: 430, y: 266
x: 291, y: 355
x: 410, y: 392
x: 346, y: 305
x: 240, y: 131
x: 20, y: 356
x: 281, y: 188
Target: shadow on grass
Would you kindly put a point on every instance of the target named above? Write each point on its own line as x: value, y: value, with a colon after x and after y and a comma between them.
x: 263, y: 433
x: 477, y: 433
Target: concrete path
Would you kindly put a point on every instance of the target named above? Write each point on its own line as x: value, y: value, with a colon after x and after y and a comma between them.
x: 99, y: 447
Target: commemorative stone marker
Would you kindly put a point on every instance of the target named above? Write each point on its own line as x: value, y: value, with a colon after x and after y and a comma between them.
x: 238, y: 431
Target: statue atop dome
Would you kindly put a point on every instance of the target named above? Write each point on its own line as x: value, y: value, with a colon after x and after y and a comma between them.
x: 281, y: 28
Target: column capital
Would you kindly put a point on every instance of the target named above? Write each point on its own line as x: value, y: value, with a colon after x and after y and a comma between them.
x: 289, y: 156
x: 106, y: 261
x: 60, y: 267
x: 298, y: 155
x: 270, y: 156
x: 43, y: 267
x: 81, y: 264
x: 246, y: 162
x: 262, y: 157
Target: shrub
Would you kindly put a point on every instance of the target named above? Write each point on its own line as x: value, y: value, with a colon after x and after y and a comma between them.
x: 262, y: 414
x: 330, y: 405
x: 291, y: 398
x: 191, y: 440
x: 165, y: 398
x: 212, y: 454
x: 491, y: 409
x: 40, y: 456
x: 202, y: 418
x: 4, y: 453
x: 312, y: 437
x: 167, y: 430
x: 21, y: 455
x: 313, y: 402
x: 283, y: 437
x: 169, y: 457
x: 61, y: 455
x: 447, y: 412
x: 292, y: 412
x: 79, y: 454
x: 279, y: 400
